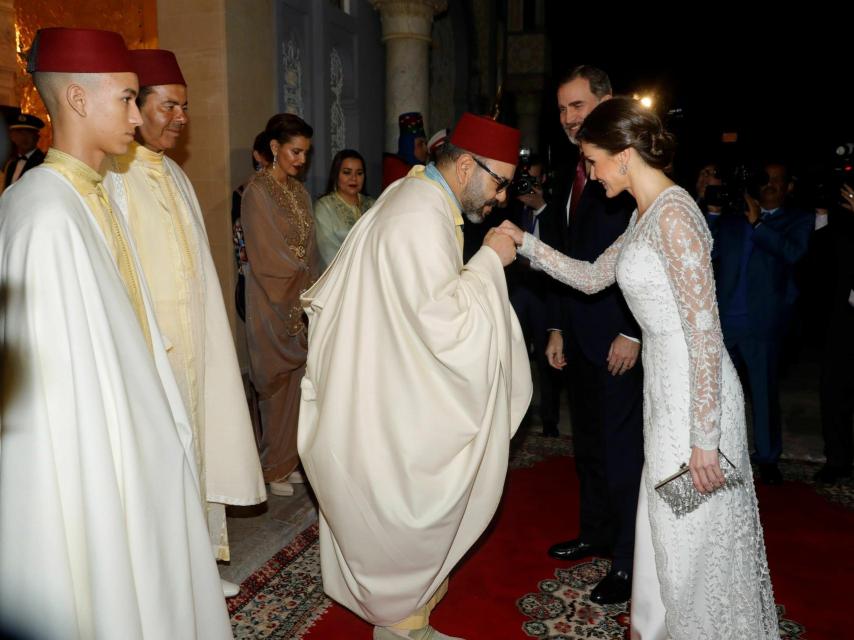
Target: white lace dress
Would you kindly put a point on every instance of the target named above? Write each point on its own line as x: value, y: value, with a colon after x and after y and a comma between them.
x: 710, y: 578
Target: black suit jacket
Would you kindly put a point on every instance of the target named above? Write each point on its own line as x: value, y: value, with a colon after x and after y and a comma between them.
x: 35, y: 159
x: 519, y: 272
x: 591, y: 321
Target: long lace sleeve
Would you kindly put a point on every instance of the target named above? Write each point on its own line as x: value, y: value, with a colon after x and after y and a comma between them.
x: 685, y: 244
x: 585, y: 276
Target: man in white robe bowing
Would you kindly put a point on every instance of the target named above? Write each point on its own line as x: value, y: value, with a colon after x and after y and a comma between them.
x: 168, y: 229
x: 417, y: 377
x: 102, y: 534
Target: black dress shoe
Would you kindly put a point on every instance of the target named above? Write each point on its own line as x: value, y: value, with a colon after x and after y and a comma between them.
x: 575, y: 550
x: 550, y: 431
x: 770, y: 474
x: 831, y: 475
x: 615, y: 587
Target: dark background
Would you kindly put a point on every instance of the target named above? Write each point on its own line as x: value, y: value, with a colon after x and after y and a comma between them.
x: 783, y: 80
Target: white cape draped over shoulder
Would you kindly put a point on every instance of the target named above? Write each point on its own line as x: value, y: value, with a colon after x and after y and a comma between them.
x: 232, y: 470
x: 417, y: 378
x: 102, y: 533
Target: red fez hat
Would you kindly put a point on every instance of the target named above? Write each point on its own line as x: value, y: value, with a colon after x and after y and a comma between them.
x: 155, y: 67
x: 63, y: 50
x: 486, y: 137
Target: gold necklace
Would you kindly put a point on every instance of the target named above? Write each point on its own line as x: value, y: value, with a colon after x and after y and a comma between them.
x: 299, y: 221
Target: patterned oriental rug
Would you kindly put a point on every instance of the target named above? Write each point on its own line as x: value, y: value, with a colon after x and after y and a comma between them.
x: 285, y: 596
x: 507, y: 587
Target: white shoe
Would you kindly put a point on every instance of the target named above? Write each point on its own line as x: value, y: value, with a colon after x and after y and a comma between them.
x: 229, y: 589
x: 296, y: 477
x: 282, y: 488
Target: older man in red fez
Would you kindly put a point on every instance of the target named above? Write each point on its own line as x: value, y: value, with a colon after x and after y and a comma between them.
x: 417, y: 377
x: 168, y: 228
x: 102, y: 534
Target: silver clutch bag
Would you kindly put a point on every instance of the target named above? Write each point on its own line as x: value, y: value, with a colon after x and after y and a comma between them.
x: 679, y: 493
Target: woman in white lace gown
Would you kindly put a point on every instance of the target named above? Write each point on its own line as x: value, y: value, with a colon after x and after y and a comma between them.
x: 704, y: 575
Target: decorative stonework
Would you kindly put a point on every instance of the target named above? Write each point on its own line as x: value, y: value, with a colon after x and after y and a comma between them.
x: 407, y: 18
x: 337, y: 125
x: 292, y: 80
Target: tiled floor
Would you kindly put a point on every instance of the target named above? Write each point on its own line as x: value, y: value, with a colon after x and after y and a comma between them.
x: 257, y: 533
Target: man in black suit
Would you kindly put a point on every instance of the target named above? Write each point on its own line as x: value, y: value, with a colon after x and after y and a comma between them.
x: 837, y: 377
x: 24, y: 134
x: 599, y: 340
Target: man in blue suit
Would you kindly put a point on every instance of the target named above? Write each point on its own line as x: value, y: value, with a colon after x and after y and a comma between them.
x: 754, y: 255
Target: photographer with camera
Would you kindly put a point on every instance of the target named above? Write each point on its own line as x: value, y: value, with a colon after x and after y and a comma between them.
x: 530, y: 289
x: 708, y: 176
x: 756, y: 248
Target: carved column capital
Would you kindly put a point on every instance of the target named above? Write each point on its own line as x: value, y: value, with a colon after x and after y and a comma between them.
x: 408, y: 19
x: 407, y: 30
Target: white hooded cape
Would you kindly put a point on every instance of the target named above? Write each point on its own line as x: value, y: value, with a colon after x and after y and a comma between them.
x: 102, y: 533
x: 417, y: 378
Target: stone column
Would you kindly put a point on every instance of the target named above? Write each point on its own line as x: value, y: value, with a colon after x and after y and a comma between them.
x: 407, y: 26
x: 8, y: 53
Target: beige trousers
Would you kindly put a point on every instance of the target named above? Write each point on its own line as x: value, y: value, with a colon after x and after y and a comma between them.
x: 421, y: 618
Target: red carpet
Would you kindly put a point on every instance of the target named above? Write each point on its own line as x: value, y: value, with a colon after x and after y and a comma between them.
x: 510, y: 561
x: 809, y: 541
x: 810, y: 545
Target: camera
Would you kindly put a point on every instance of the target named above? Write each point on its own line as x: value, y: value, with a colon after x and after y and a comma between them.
x: 735, y: 183
x: 821, y: 184
x: 523, y: 182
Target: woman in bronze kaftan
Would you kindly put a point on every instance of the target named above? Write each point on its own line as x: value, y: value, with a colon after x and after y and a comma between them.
x: 283, y: 262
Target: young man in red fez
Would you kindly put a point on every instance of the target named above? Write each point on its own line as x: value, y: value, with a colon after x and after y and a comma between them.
x: 417, y: 377
x: 168, y: 229
x: 101, y: 530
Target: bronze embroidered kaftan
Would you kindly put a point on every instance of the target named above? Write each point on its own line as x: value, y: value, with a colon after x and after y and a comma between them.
x: 283, y: 262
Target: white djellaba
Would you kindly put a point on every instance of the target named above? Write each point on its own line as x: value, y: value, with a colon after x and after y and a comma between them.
x: 101, y: 530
